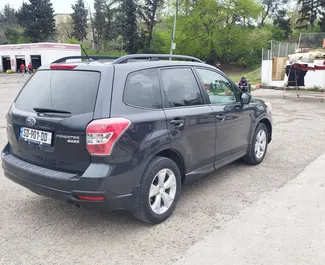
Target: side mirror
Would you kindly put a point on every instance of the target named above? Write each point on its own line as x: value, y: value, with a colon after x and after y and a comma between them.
x: 246, y: 98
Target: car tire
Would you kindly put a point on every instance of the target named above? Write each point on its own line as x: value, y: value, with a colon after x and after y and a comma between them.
x: 259, y: 145
x: 159, y: 192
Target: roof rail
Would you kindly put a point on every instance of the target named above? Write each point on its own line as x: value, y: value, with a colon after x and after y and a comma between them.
x: 93, y: 57
x: 154, y: 57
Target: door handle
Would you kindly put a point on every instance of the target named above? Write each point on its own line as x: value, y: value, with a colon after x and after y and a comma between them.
x: 220, y: 117
x: 177, y: 123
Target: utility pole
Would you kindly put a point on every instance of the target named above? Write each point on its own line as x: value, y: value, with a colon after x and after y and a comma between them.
x: 173, y: 44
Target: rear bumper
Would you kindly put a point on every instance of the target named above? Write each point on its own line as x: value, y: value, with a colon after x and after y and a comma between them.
x: 67, y: 186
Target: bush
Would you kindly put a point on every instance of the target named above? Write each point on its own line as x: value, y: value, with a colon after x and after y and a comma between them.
x: 84, y: 45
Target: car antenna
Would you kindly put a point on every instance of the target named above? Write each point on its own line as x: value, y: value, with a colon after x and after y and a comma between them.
x: 88, y: 58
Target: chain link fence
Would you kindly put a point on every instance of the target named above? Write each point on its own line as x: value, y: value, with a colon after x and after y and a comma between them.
x: 266, y: 55
x: 311, y: 40
x: 279, y: 49
x: 282, y: 49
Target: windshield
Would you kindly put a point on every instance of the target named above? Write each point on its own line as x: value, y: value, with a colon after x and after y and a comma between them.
x: 70, y: 91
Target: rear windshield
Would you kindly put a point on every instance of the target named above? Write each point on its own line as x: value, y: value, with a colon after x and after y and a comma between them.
x: 72, y: 91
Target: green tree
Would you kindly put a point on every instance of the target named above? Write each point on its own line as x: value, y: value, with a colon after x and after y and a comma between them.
x: 216, y: 30
x: 112, y: 29
x: 75, y: 41
x: 64, y: 28
x: 8, y: 16
x: 283, y: 23
x: 128, y: 23
x: 309, y: 11
x: 237, y: 15
x: 148, y: 13
x: 37, y: 19
x: 271, y: 8
x: 10, y: 31
x: 161, y: 41
x: 321, y: 22
x: 3, y: 37
x: 79, y: 20
x: 99, y: 19
x: 106, y: 22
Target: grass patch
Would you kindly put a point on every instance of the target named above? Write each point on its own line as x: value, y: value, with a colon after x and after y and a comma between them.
x: 315, y: 89
x: 254, y: 76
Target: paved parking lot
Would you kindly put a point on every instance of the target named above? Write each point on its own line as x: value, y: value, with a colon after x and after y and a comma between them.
x: 37, y: 230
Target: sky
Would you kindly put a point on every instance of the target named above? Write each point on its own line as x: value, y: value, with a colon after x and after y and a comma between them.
x: 60, y: 6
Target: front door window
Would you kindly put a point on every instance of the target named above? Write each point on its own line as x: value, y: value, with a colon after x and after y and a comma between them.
x: 218, y: 88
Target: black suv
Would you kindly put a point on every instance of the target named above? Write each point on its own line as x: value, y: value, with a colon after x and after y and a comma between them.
x: 125, y: 134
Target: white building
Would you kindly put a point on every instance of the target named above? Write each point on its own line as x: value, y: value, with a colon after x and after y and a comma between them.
x: 12, y: 56
x: 312, y: 79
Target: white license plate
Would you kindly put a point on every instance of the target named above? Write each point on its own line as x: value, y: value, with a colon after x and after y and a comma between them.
x: 35, y: 136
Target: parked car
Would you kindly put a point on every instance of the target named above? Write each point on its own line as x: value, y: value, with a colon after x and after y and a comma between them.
x: 126, y: 135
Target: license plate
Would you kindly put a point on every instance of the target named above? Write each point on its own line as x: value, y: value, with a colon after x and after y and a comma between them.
x: 35, y: 136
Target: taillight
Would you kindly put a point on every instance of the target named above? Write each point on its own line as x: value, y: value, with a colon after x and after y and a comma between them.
x: 62, y: 66
x: 103, y: 134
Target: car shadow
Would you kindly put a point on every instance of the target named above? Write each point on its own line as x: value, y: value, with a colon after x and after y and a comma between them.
x: 49, y: 213
x: 46, y: 211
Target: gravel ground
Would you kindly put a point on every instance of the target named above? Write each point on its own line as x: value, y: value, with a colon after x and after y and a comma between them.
x: 36, y: 230
x: 274, y: 230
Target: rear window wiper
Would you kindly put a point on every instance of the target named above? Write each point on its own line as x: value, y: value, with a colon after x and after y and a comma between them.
x: 45, y: 110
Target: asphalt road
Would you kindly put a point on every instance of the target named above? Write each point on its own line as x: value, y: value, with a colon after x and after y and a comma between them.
x: 36, y: 230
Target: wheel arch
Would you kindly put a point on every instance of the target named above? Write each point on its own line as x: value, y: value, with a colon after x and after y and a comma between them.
x: 176, y: 157
x: 264, y: 120
x: 268, y: 125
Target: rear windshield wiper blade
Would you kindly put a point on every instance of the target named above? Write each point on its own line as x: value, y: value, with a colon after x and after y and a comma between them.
x: 44, y: 110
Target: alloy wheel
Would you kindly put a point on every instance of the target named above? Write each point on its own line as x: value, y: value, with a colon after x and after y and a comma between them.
x: 260, y: 144
x: 162, y: 191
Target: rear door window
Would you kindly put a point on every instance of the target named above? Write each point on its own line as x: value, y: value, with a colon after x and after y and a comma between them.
x: 181, y: 88
x: 142, y: 89
x: 71, y: 91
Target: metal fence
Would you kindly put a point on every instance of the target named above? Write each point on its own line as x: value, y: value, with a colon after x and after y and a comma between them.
x: 311, y: 40
x: 282, y: 49
x: 279, y: 49
x: 266, y: 55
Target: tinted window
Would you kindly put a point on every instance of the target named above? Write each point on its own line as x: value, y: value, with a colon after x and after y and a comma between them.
x: 181, y: 88
x: 142, y: 89
x: 72, y: 91
x: 219, y: 89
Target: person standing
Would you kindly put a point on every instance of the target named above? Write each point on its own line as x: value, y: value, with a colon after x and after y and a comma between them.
x: 30, y: 68
x: 22, y: 69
